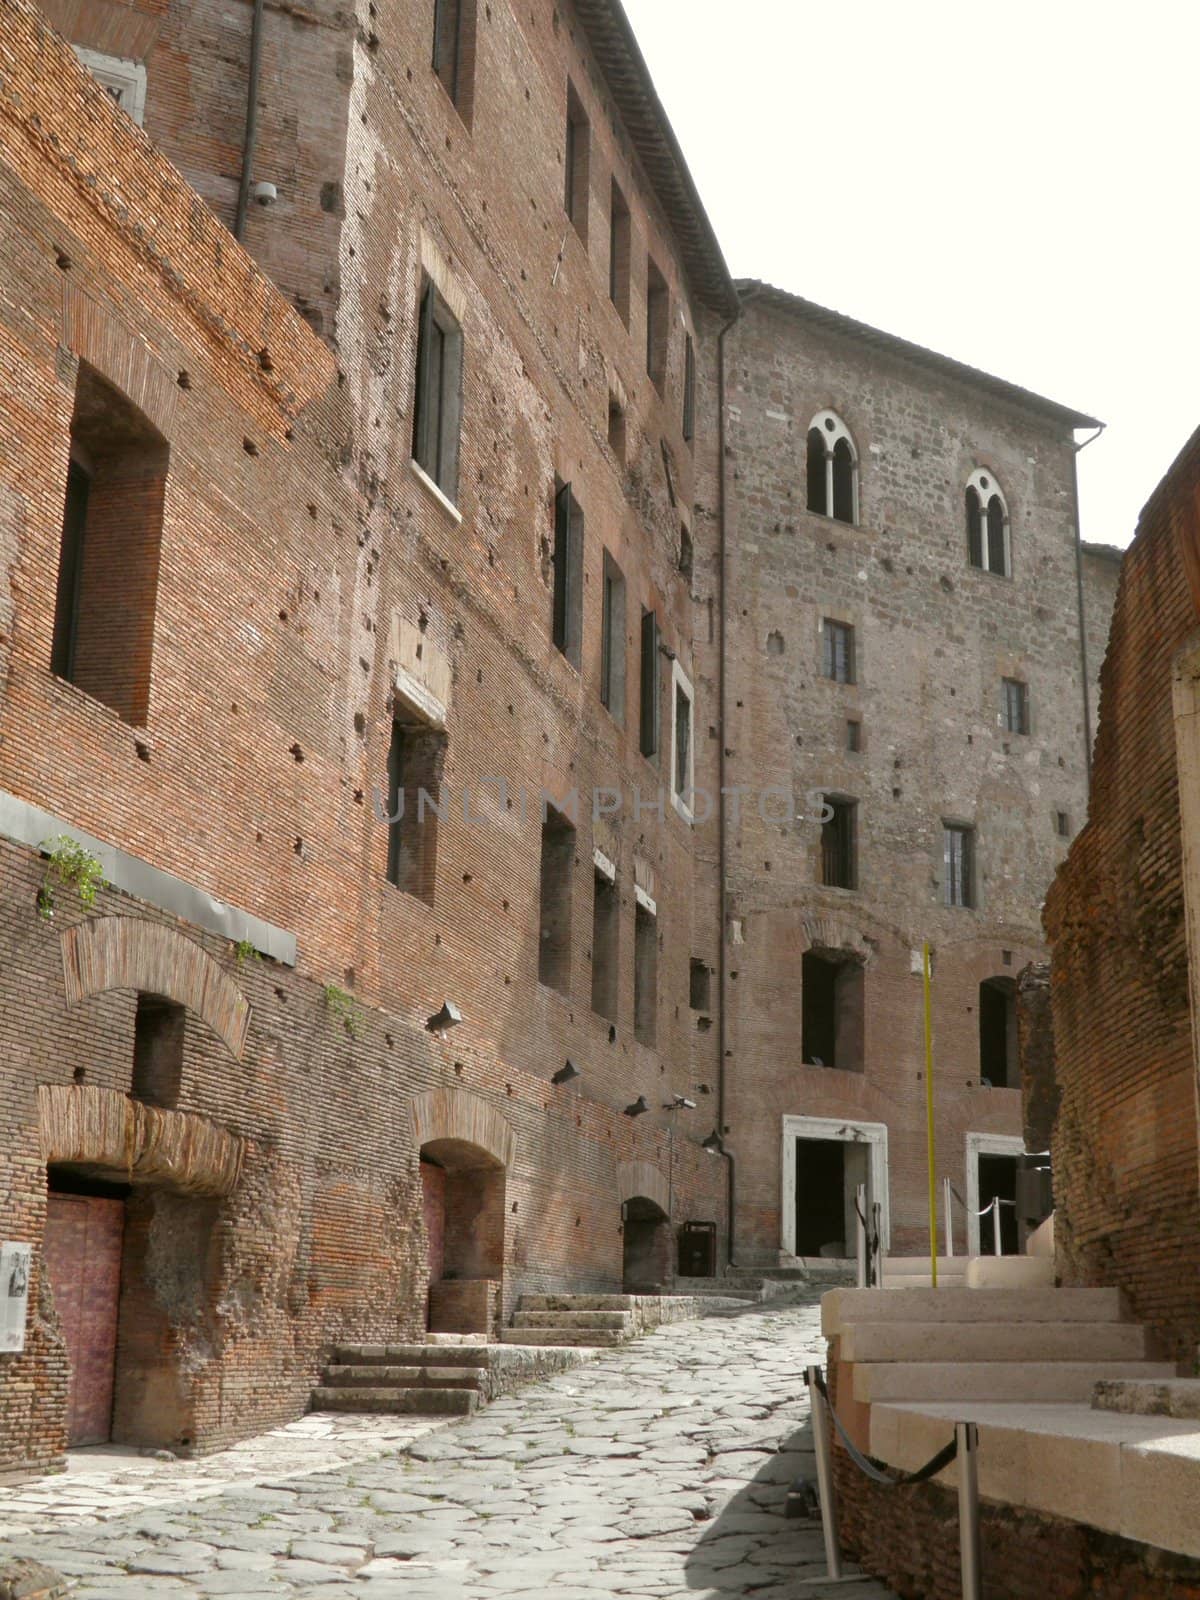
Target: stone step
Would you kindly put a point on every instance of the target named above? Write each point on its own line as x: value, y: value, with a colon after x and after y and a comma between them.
x: 956, y: 1304
x: 619, y: 1321
x: 597, y: 1338
x: 1033, y: 1381
x: 993, y: 1341
x: 580, y: 1302
x: 383, y: 1376
x: 411, y: 1355
x: 424, y: 1401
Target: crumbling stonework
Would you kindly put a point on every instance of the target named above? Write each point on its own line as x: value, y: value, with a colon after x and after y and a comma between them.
x: 1035, y: 1031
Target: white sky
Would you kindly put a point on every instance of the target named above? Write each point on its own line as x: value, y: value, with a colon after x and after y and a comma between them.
x: 1012, y: 184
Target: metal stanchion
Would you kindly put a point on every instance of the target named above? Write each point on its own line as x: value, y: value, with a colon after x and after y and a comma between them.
x: 877, y: 1225
x: 824, y: 1454
x: 967, y: 1436
x: 860, y: 1214
x: 996, y: 1226
x: 948, y: 1216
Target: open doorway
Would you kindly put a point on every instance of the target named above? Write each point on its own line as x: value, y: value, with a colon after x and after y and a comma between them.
x: 831, y: 1011
x: 824, y: 1162
x: 645, y: 1246
x: 462, y: 1188
x: 999, y: 1066
x: 992, y: 1163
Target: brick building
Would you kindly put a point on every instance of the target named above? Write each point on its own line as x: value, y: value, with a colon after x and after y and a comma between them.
x: 904, y: 641
x: 1119, y: 1066
x: 395, y: 495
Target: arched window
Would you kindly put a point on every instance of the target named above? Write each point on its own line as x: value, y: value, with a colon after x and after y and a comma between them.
x: 988, y: 542
x: 832, y: 468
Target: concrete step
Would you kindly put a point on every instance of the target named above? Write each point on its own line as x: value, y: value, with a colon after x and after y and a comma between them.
x: 411, y: 1355
x: 840, y: 1307
x: 424, y: 1401
x: 619, y: 1321
x: 1010, y: 1272
x: 597, y: 1338
x: 377, y: 1377
x: 1034, y: 1381
x: 993, y: 1341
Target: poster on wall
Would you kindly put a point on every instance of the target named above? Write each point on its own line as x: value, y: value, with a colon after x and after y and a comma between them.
x: 14, y: 1295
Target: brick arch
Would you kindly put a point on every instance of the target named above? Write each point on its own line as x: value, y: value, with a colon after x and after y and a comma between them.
x: 836, y: 933
x: 131, y: 953
x: 643, y: 1180
x: 445, y: 1114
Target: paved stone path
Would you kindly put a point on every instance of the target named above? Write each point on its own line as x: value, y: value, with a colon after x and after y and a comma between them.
x: 658, y: 1470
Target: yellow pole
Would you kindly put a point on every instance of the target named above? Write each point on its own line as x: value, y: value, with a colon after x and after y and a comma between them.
x: 929, y: 1116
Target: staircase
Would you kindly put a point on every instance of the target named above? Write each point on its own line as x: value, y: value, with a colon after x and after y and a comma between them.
x: 594, y: 1320
x: 989, y: 1344
x: 424, y: 1380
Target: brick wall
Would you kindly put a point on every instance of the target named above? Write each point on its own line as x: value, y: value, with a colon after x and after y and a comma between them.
x: 1125, y: 1143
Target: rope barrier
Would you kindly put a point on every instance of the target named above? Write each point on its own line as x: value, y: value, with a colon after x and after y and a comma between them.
x: 878, y: 1471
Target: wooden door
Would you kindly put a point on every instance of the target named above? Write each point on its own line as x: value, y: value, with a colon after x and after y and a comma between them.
x: 83, y: 1260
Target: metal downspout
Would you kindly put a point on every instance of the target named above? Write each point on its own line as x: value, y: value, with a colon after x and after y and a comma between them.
x: 250, y: 139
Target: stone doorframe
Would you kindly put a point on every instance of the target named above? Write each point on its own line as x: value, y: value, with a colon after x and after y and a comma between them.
x: 984, y: 1144
x: 846, y: 1131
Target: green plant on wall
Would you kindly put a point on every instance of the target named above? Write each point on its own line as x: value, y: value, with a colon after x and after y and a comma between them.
x: 71, y: 865
x: 243, y: 950
x: 340, y: 1005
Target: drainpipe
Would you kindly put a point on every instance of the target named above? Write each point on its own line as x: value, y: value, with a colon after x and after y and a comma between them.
x: 251, y: 135
x: 722, y: 815
x: 1076, y: 449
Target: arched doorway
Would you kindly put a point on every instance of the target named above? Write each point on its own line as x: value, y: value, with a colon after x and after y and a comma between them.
x: 645, y: 1246
x: 134, y: 1188
x: 466, y: 1149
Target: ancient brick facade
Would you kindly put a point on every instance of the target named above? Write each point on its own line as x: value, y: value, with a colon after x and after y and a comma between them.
x: 310, y: 583
x: 1125, y: 1138
x: 933, y: 636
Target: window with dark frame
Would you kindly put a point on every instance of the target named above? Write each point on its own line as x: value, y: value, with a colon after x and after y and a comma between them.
x: 1062, y: 822
x: 645, y: 975
x: 658, y: 315
x: 958, y: 858
x: 414, y: 803
x: 557, y: 876
x: 853, y: 737
x: 606, y: 920
x: 838, y: 651
x: 689, y: 388
x: 682, y: 774
x: 453, y: 57
x: 568, y: 574
x: 619, y: 251
x: 438, y: 403
x: 576, y: 162
x: 838, y: 845
x: 108, y: 571
x: 698, y: 984
x: 612, y: 642
x: 651, y: 687
x: 1016, y: 705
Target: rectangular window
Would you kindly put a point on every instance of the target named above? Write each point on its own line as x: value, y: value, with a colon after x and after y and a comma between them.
x: 568, y: 574
x: 438, y: 404
x: 645, y: 975
x: 698, y: 984
x: 454, y: 52
x: 686, y: 557
x: 576, y: 160
x: 651, y: 693
x: 612, y: 642
x: 1062, y: 821
x: 124, y: 80
x: 681, y: 741
x: 619, y: 252
x: 1016, y: 706
x: 605, y: 935
x: 838, y: 651
x: 838, y: 845
x: 658, y: 322
x: 107, y: 589
x: 854, y: 737
x: 689, y: 389
x: 557, y: 872
x: 958, y: 850
x: 414, y: 804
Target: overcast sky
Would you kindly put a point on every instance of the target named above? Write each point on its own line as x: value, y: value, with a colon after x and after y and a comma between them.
x: 1012, y: 184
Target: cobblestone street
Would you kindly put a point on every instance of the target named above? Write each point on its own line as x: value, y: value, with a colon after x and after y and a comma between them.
x: 659, y: 1469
